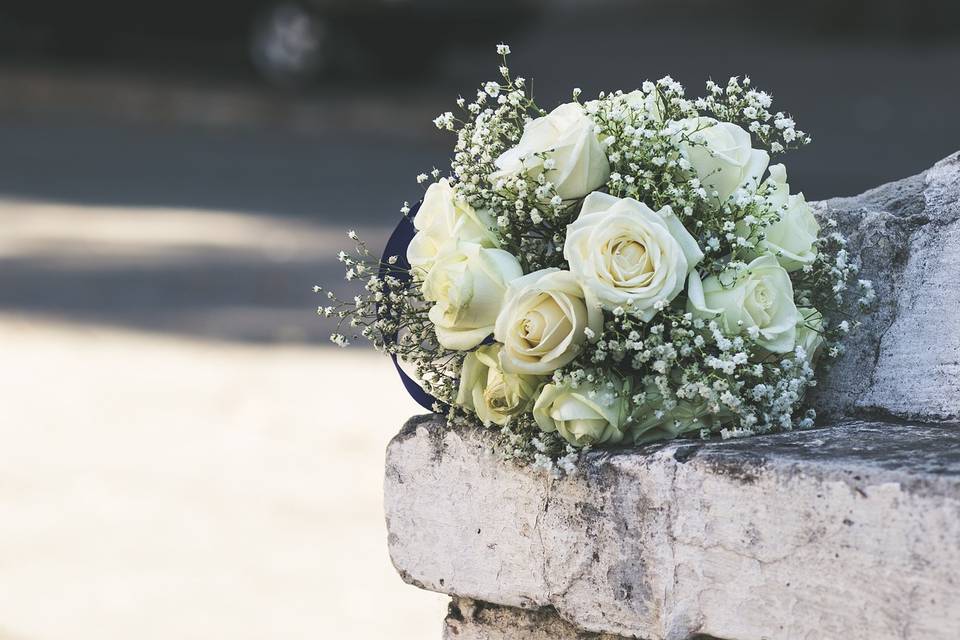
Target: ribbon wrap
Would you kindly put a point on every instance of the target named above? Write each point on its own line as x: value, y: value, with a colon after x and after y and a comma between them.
x: 397, y: 246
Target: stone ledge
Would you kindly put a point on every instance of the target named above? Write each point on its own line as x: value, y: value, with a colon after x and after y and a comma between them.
x: 850, y: 531
x: 472, y: 620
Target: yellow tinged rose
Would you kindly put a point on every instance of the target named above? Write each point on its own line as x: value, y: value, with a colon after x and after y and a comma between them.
x: 486, y: 390
x: 583, y: 415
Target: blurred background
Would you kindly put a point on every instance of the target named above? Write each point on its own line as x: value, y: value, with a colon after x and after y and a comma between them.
x: 184, y: 454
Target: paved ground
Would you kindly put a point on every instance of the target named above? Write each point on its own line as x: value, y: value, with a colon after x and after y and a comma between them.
x: 199, y: 272
x: 182, y: 457
x: 163, y: 487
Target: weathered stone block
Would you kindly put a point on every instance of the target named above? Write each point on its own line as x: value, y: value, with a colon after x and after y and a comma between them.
x: 851, y: 531
x: 905, y: 361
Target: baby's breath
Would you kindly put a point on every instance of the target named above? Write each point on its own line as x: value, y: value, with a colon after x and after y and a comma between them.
x: 678, y: 372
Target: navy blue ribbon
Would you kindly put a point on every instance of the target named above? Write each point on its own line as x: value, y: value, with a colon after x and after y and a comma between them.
x: 397, y: 246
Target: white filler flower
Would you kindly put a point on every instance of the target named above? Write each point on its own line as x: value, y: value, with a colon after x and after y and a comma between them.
x: 628, y: 255
x: 467, y: 286
x: 563, y: 145
x: 721, y: 156
x: 543, y: 322
x: 444, y: 219
x: 760, y: 302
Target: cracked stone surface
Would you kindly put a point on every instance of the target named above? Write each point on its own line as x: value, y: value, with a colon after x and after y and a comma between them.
x: 849, y: 531
x: 905, y: 361
x: 844, y: 532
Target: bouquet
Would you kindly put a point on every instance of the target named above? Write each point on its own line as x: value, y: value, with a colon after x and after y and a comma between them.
x: 615, y: 271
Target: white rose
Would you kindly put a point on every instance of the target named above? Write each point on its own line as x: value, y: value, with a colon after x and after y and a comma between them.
x: 654, y: 423
x: 809, y: 332
x: 486, y: 390
x: 791, y: 238
x: 467, y: 286
x: 567, y: 139
x: 585, y: 415
x: 721, y: 155
x: 543, y: 321
x: 686, y: 417
x: 443, y: 220
x: 759, y: 302
x: 627, y: 255
x: 645, y: 102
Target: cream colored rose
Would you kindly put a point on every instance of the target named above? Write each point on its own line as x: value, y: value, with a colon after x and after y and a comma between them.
x: 628, y: 255
x: 543, y: 321
x: 809, y: 333
x: 759, y: 303
x: 486, y: 390
x: 721, y: 156
x: 585, y: 415
x: 443, y: 220
x: 467, y: 286
x: 564, y: 147
x: 792, y: 238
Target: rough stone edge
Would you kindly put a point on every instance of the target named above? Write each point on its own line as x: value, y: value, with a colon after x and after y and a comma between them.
x: 818, y: 449
x: 475, y: 620
x: 717, y: 459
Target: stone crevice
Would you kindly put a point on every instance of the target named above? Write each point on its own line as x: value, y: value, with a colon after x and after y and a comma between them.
x: 671, y: 529
x: 538, y: 531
